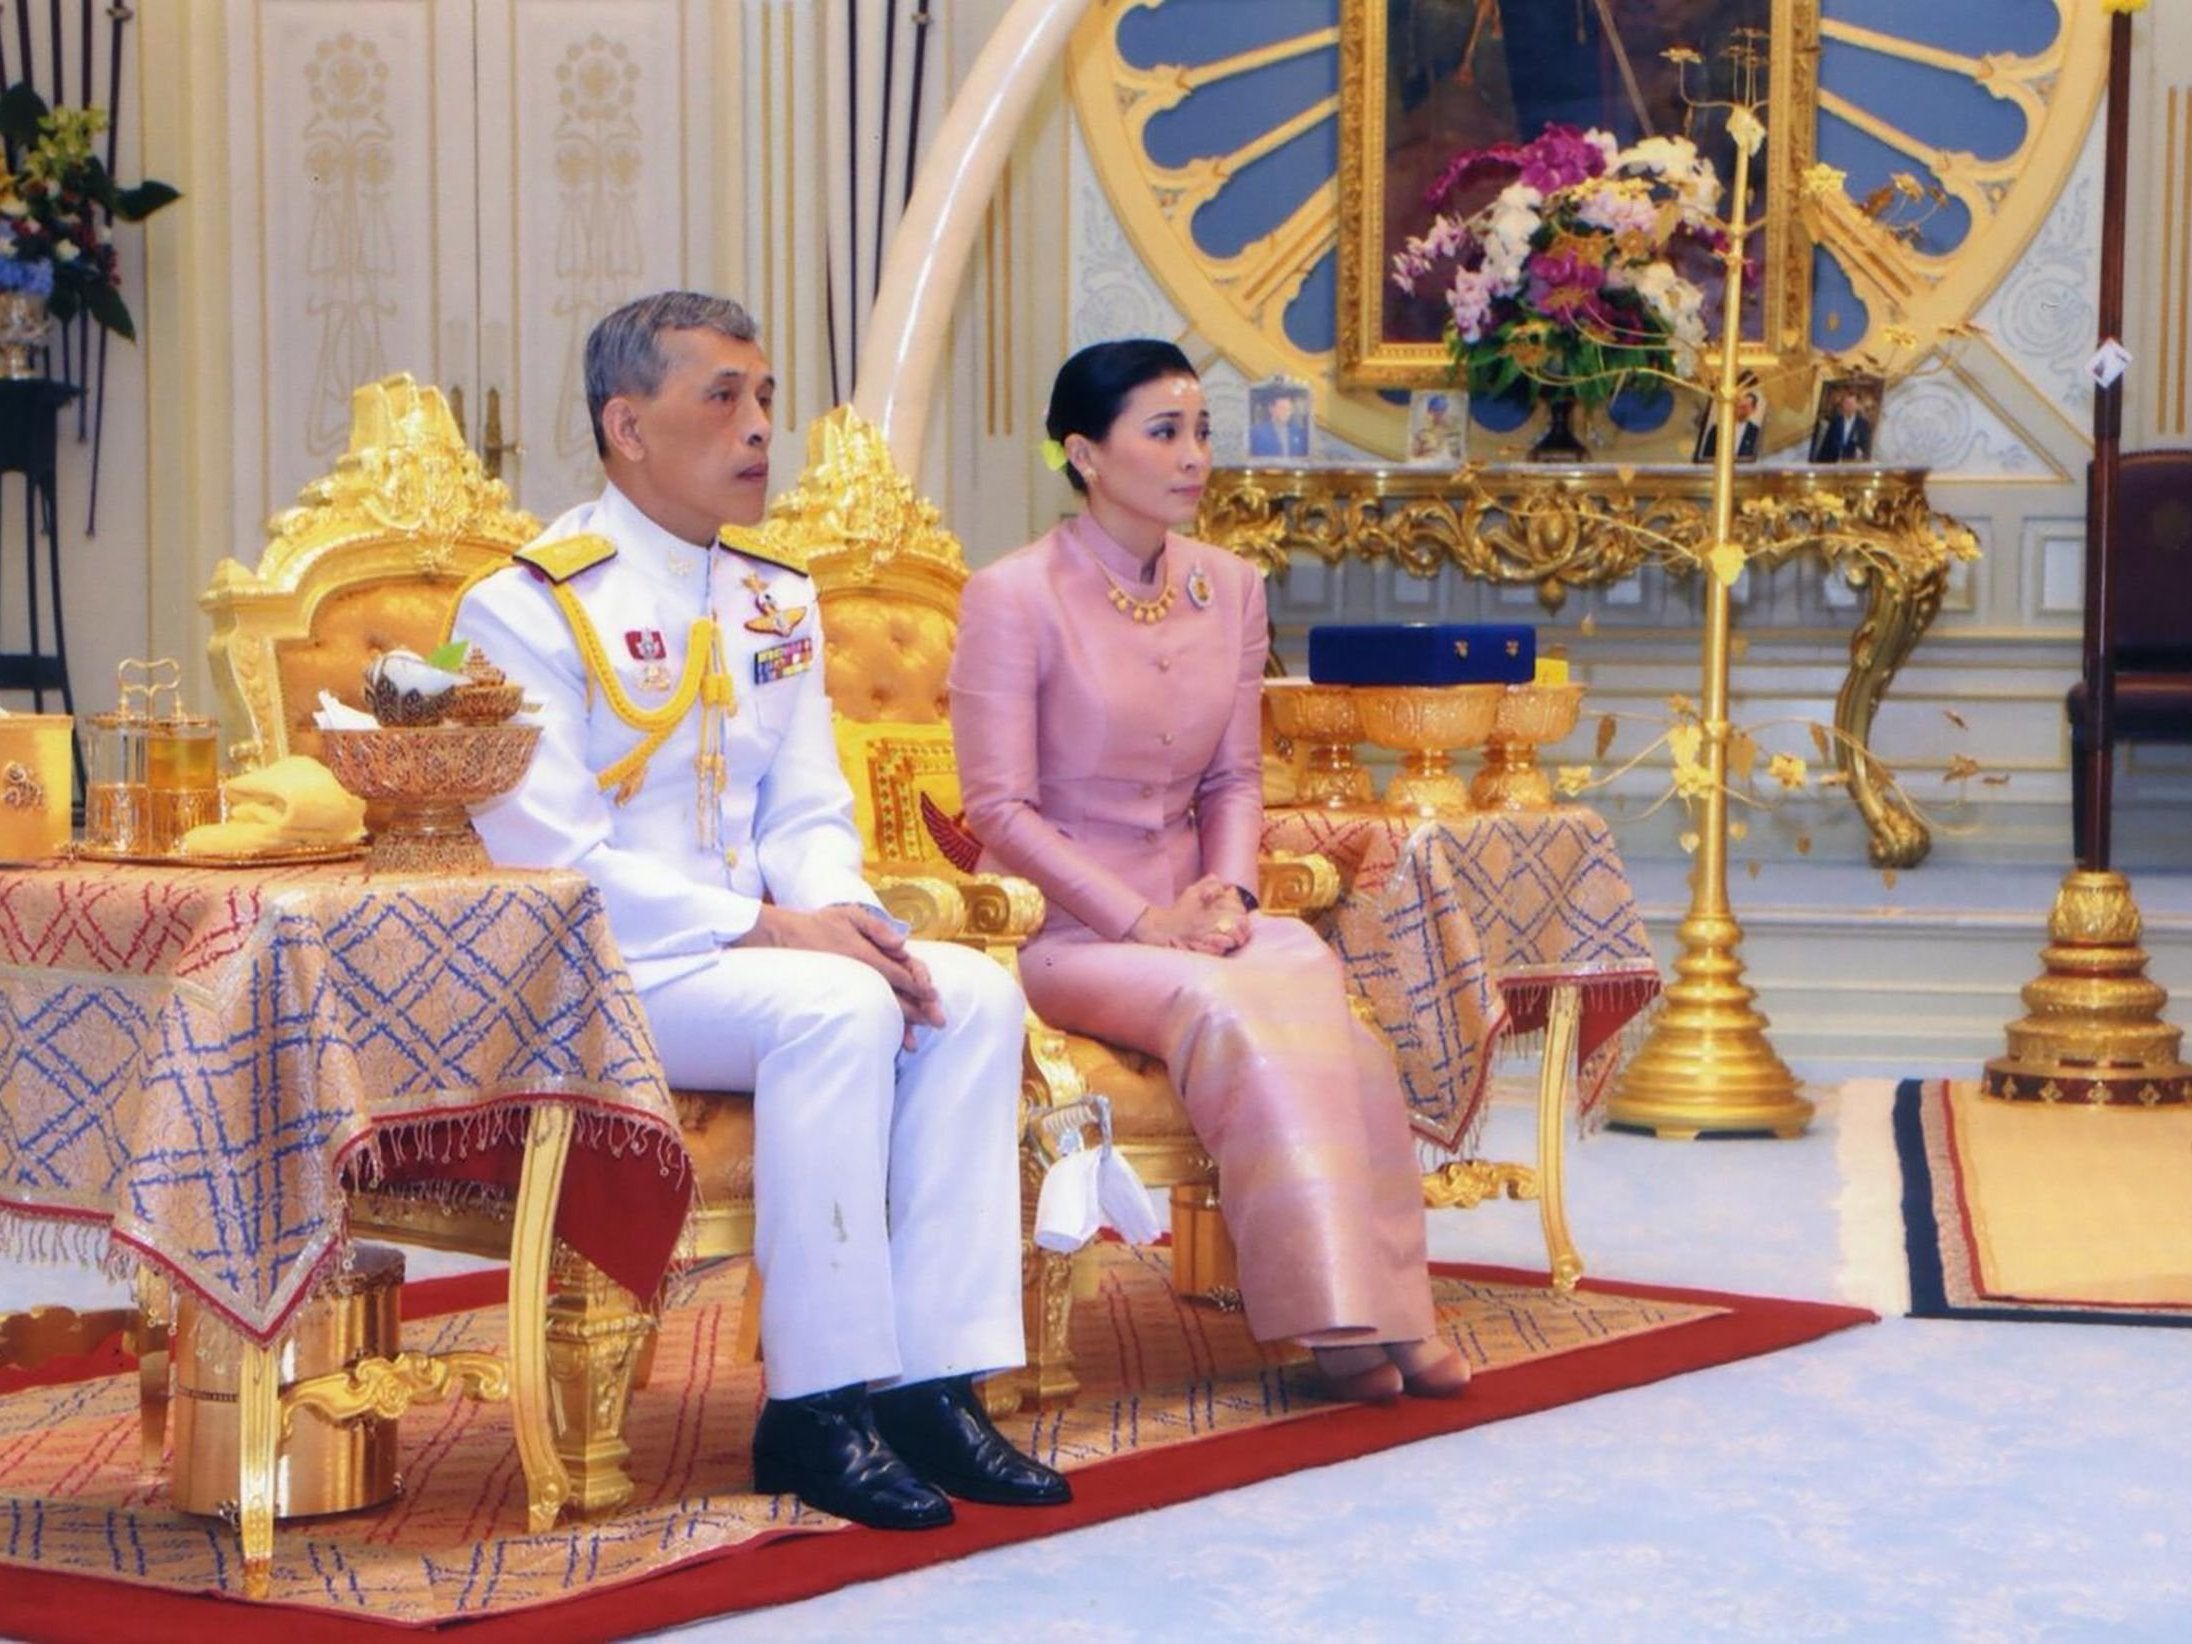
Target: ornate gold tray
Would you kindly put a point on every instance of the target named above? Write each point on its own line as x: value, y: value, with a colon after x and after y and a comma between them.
x: 287, y: 856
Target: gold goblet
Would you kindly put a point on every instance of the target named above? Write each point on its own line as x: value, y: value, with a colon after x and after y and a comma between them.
x: 1325, y: 720
x: 1425, y: 724
x: 1510, y: 779
x: 416, y: 781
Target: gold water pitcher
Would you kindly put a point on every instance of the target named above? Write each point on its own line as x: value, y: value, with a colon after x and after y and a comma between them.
x: 321, y: 1466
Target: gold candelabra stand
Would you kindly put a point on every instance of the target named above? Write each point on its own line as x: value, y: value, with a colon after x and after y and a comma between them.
x: 1707, y: 1067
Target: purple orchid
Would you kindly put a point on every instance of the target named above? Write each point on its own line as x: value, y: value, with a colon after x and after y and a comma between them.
x: 1563, y: 286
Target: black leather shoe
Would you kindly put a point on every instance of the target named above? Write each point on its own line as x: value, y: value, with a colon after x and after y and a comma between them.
x: 825, y: 1450
x: 940, y: 1430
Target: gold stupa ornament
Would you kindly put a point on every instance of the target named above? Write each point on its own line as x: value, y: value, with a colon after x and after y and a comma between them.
x: 2092, y: 1029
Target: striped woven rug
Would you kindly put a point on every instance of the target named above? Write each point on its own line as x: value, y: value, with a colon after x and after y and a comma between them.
x: 2051, y: 1213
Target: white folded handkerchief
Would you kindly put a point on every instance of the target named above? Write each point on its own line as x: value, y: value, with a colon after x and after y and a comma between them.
x: 337, y: 715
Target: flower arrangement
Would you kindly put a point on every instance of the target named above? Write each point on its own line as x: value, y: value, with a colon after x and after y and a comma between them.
x: 56, y: 204
x: 1568, y: 277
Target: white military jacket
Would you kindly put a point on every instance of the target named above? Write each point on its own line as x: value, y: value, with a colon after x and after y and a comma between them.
x: 681, y: 871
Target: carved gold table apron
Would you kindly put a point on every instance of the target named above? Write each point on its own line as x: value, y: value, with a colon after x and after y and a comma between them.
x: 1583, y: 527
x: 199, y: 1063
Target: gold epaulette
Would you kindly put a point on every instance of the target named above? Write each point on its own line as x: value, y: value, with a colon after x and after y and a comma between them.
x: 561, y: 560
x: 759, y: 542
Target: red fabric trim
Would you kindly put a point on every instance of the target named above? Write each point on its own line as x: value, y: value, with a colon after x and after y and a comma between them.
x: 40, y: 1606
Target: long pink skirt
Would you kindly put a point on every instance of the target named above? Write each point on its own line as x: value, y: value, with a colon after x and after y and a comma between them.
x: 1294, y: 1098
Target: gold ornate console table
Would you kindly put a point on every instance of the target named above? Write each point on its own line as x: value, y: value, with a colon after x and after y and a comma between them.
x: 1584, y: 527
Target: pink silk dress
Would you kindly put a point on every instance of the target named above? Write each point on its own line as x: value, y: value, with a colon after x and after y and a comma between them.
x: 1114, y: 762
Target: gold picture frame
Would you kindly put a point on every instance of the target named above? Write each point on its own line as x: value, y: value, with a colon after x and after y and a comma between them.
x: 1370, y: 357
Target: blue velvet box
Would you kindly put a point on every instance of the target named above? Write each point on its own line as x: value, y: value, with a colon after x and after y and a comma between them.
x: 1423, y: 653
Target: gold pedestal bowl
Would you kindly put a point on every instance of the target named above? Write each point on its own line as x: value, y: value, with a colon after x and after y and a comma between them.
x: 416, y: 782
x: 1326, y: 721
x: 1426, y: 725
x: 1530, y: 716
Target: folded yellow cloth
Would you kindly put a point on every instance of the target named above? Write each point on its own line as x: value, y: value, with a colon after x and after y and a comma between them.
x: 294, y: 801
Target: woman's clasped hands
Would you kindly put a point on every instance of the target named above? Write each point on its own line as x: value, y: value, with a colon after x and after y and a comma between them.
x: 1208, y: 918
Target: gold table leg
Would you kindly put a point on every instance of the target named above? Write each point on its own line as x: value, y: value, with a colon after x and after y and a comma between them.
x: 596, y: 1331
x: 532, y: 1242
x: 1562, y: 1020
x: 1467, y: 1183
x: 155, y: 1300
x: 258, y: 1426
x: 1901, y: 602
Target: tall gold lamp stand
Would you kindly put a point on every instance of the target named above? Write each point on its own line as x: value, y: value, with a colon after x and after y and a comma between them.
x: 1707, y: 1067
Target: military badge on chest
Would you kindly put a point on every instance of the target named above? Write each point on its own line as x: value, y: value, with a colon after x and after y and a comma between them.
x: 770, y: 617
x: 651, y: 651
x: 795, y: 655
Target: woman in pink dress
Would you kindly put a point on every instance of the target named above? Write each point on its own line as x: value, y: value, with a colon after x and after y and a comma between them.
x: 1104, y: 702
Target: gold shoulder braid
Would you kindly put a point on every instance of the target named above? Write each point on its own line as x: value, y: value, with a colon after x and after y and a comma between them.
x: 704, y: 681
x: 561, y: 560
x: 763, y: 543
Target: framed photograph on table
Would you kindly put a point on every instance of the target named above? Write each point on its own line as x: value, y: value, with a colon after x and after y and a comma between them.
x: 1848, y: 420
x: 1438, y: 424
x: 1750, y: 427
x: 1279, y: 419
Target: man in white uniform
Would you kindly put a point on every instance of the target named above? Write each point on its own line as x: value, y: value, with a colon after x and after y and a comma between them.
x: 687, y: 766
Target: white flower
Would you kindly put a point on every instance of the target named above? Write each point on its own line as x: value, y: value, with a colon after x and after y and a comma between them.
x: 1471, y: 301
x: 64, y: 251
x: 1617, y: 207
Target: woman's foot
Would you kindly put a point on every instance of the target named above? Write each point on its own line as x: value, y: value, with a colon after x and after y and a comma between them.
x: 1430, y: 1368
x: 1361, y: 1375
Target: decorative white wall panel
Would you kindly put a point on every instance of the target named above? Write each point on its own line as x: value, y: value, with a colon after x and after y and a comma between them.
x: 351, y: 161
x: 594, y: 178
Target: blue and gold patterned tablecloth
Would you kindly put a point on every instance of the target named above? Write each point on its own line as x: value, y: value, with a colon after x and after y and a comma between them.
x: 1457, y: 929
x: 197, y: 1061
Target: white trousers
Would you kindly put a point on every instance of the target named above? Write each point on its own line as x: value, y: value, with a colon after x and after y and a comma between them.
x: 886, y: 1181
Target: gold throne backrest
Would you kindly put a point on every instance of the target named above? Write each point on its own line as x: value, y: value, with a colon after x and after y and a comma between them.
x: 370, y: 558
x: 889, y: 577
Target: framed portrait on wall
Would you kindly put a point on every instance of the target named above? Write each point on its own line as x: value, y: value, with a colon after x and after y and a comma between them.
x: 1848, y: 419
x: 1422, y: 81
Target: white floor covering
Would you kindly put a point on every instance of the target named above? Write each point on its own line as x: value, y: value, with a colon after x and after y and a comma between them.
x: 1908, y: 1480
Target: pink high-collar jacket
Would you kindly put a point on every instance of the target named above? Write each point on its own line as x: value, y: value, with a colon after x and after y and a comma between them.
x: 1136, y: 764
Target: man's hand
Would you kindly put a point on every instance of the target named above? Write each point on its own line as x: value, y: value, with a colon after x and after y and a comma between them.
x: 855, y: 933
x: 1208, y: 918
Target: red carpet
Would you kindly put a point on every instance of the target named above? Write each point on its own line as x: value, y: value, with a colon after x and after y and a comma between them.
x: 41, y: 1604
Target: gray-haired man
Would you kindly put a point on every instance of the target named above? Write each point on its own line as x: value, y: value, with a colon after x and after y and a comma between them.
x: 687, y: 766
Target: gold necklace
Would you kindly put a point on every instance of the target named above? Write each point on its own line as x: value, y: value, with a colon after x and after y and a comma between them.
x: 1140, y: 610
